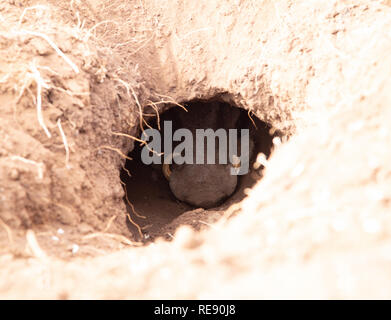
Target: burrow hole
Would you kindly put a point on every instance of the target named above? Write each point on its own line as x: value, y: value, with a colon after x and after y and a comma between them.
x: 161, y: 198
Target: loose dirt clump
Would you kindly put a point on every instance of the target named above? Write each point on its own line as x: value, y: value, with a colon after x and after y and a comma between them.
x: 78, y: 80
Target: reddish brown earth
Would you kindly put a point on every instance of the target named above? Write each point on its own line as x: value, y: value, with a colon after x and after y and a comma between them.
x: 78, y: 77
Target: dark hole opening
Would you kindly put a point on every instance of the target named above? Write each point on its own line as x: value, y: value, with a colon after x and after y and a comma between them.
x: 160, y: 200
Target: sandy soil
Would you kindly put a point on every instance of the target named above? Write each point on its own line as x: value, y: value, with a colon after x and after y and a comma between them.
x: 78, y: 77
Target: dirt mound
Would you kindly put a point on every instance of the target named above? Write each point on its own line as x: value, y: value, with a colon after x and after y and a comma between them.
x: 78, y: 79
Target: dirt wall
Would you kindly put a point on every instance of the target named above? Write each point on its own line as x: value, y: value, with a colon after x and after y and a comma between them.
x: 316, y: 226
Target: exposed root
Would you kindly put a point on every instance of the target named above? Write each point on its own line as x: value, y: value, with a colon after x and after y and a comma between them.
x: 33, y: 245
x: 112, y: 236
x: 53, y: 45
x: 8, y: 230
x: 72, y: 94
x: 127, y: 171
x: 147, y: 124
x: 232, y: 210
x: 40, y: 84
x: 130, y: 93
x: 172, y: 101
x: 154, y: 106
x: 142, y: 142
x: 136, y: 225
x: 4, y: 79
x: 142, y: 46
x: 249, y: 113
x: 116, y: 150
x: 25, y: 85
x: 38, y: 165
x: 130, y: 204
x: 140, y: 109
x: 89, y: 32
x: 64, y: 140
x: 146, y: 227
x: 208, y: 224
x: 110, y: 222
x: 128, y: 136
x: 40, y: 7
